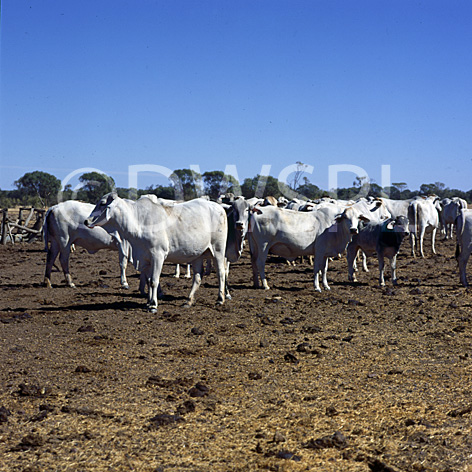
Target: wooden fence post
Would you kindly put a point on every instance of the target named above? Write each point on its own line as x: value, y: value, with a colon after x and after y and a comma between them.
x: 4, y: 226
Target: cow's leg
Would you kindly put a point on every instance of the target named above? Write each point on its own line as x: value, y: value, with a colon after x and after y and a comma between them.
x: 258, y: 260
x: 325, y: 275
x: 261, y: 260
x: 351, y: 262
x: 123, y: 264
x: 197, y: 267
x: 413, y: 243
x: 221, y: 274
x: 227, y: 294
x: 433, y: 239
x: 364, y: 262
x: 142, y: 283
x: 421, y: 238
x: 53, y: 251
x: 155, y: 274
x: 381, y: 260
x: 64, y: 260
x: 321, y: 265
x: 462, y: 260
x: 177, y: 271
x: 393, y: 265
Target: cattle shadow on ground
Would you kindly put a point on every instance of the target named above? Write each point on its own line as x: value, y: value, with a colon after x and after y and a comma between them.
x: 33, y: 285
x: 236, y: 287
x: 125, y: 305
x: 283, y: 288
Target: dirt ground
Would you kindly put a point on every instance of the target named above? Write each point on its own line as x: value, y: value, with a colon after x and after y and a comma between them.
x: 360, y: 378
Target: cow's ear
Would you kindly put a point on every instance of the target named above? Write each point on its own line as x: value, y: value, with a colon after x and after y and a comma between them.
x: 364, y: 218
x: 111, y: 197
x: 256, y: 210
x: 338, y: 218
x: 390, y: 226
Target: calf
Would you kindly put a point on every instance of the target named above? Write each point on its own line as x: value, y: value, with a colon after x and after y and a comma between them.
x: 383, y: 238
x: 423, y: 214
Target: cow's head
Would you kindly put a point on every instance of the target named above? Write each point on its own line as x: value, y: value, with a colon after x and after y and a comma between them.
x: 241, y: 211
x: 102, y: 211
x: 378, y: 206
x: 399, y: 225
x: 351, y: 218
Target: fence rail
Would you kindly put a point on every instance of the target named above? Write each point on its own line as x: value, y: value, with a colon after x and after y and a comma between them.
x: 17, y: 224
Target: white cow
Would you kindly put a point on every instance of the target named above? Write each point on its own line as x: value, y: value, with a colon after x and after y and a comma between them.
x: 423, y: 214
x: 290, y: 234
x: 450, y: 211
x: 464, y: 243
x: 63, y: 227
x: 180, y: 233
x: 396, y: 207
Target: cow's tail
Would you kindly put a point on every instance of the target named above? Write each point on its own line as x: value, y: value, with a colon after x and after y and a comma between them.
x: 413, y: 218
x: 459, y: 224
x: 46, y: 230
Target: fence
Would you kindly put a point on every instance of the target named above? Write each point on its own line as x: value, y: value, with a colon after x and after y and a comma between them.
x: 17, y: 225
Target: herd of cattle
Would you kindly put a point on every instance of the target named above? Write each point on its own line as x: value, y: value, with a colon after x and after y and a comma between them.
x: 150, y: 231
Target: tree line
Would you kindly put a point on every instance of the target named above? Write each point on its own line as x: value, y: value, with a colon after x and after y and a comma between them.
x: 41, y: 189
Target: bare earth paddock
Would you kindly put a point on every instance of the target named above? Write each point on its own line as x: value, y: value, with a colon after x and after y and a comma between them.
x: 356, y: 379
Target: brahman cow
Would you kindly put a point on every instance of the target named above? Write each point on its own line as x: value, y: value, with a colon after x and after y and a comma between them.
x: 157, y: 231
x: 290, y: 234
x: 464, y: 243
x: 423, y: 214
x: 63, y: 227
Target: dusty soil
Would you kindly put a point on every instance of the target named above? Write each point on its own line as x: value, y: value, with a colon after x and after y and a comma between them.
x: 356, y: 379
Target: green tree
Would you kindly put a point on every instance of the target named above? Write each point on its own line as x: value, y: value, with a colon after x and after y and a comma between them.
x: 160, y: 191
x: 187, y: 184
x: 262, y: 186
x: 437, y: 188
x: 41, y: 186
x: 216, y: 183
x: 95, y: 185
x: 309, y: 190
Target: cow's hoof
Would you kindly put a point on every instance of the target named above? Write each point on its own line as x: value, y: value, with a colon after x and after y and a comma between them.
x: 125, y: 286
x: 72, y: 285
x: 152, y: 309
x: 219, y: 303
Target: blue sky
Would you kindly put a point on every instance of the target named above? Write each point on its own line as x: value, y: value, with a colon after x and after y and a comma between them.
x: 108, y: 84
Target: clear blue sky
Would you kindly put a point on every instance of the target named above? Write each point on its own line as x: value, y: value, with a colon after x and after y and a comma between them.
x: 106, y: 84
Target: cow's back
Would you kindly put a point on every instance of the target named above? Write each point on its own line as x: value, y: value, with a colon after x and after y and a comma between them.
x: 64, y: 224
x: 181, y: 229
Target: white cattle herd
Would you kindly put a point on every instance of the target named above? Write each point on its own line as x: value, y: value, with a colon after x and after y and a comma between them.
x: 150, y: 231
